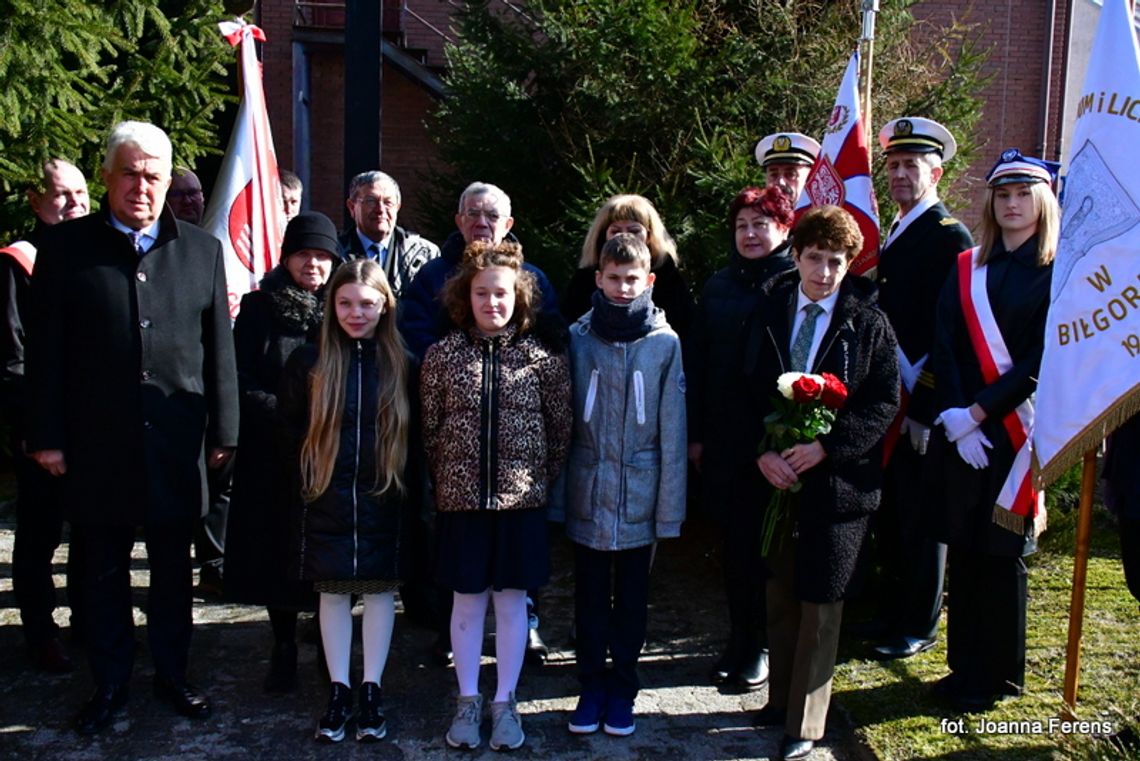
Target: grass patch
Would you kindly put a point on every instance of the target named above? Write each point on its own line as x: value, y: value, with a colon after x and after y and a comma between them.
x: 894, y: 717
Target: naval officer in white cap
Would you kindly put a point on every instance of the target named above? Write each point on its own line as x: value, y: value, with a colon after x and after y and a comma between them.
x: 787, y: 158
x: 921, y: 246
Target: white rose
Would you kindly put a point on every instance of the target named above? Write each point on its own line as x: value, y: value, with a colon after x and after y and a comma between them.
x: 784, y: 383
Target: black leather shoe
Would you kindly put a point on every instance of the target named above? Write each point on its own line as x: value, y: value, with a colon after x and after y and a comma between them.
x: 183, y: 697
x: 99, y: 711
x: 793, y: 747
x: 754, y: 673
x: 770, y: 716
x: 902, y: 647
x: 50, y: 657
x: 536, y: 650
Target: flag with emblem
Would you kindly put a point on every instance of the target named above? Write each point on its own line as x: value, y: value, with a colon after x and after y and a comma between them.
x: 1090, y: 371
x: 841, y: 175
x: 245, y: 211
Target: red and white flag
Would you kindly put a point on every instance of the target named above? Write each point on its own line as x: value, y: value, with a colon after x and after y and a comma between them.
x: 245, y: 211
x: 841, y: 175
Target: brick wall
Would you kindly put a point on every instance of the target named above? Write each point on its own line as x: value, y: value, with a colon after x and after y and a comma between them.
x: 1018, y: 33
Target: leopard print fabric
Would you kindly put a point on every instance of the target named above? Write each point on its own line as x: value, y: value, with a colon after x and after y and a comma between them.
x: 509, y: 460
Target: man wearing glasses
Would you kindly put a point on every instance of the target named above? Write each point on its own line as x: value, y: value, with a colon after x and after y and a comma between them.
x: 374, y: 202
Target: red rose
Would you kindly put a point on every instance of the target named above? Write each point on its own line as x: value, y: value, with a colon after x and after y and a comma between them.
x: 806, y: 389
x: 834, y: 392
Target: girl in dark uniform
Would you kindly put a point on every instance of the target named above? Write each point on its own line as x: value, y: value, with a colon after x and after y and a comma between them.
x: 989, y: 340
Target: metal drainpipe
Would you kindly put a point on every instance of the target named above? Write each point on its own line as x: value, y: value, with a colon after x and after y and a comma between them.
x: 302, y: 100
x: 1046, y: 81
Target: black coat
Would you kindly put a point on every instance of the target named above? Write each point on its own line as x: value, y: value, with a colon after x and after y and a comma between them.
x: 15, y: 291
x: 1019, y: 296
x: 348, y: 533
x: 910, y: 276
x: 670, y: 293
x: 1121, y: 474
x: 260, y: 531
x: 716, y: 394
x: 130, y: 368
x: 840, y: 494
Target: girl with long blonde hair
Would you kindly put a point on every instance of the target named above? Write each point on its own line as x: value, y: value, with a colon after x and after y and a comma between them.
x: 349, y: 404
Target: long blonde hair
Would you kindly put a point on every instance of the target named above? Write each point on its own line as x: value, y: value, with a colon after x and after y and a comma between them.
x: 628, y: 208
x: 1048, y: 224
x: 327, y: 383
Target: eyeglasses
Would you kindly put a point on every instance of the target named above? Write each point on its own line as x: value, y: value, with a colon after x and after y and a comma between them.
x: 490, y: 216
x: 371, y: 202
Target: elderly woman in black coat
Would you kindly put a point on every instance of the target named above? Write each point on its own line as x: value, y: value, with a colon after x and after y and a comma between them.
x: 721, y: 449
x: 819, y: 320
x: 273, y: 321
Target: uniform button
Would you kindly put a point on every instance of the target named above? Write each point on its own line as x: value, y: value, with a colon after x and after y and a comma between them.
x: 147, y: 375
x: 148, y: 425
x: 141, y: 277
x: 144, y: 323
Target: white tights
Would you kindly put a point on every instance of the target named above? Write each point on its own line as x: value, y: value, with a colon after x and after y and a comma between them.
x: 467, y: 615
x: 336, y: 634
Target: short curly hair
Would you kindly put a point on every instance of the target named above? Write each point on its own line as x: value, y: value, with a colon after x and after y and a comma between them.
x: 828, y: 228
x: 478, y: 256
x: 771, y: 202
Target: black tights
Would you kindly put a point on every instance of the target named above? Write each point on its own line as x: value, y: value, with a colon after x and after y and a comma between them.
x: 284, y: 623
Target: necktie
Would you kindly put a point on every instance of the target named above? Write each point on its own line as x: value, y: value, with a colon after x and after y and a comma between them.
x: 136, y: 241
x: 374, y: 253
x: 802, y: 345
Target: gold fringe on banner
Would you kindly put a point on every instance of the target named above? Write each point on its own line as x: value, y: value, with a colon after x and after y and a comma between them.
x: 1089, y: 437
x: 1010, y: 521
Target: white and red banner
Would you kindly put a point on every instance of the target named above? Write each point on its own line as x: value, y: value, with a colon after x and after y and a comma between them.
x: 1090, y: 372
x: 245, y: 211
x: 841, y: 175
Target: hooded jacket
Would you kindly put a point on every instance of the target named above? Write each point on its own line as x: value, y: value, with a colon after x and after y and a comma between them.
x: 625, y: 482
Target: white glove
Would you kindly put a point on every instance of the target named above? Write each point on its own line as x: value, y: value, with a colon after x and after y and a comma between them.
x: 957, y: 421
x: 919, y: 434
x: 972, y: 448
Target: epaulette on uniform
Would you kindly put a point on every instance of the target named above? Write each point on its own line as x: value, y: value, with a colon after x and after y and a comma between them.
x: 948, y: 221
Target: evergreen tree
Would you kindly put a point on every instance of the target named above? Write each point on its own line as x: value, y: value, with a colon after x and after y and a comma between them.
x: 566, y: 102
x: 70, y: 69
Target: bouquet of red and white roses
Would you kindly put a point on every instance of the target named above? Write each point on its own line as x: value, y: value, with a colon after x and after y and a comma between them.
x: 804, y: 410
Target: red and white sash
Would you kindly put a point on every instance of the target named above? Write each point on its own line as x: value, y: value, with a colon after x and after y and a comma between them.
x: 1017, y: 496
x: 24, y: 253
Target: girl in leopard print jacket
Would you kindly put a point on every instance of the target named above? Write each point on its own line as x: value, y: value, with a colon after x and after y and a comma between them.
x: 496, y: 427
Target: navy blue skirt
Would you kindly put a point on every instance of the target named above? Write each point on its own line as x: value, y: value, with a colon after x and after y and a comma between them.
x: 492, y: 549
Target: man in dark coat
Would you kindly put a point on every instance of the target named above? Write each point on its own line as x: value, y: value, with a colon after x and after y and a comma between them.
x: 922, y: 245
x: 62, y: 195
x: 132, y: 392
x: 374, y: 203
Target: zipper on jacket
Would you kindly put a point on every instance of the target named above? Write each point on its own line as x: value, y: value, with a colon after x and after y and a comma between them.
x: 490, y: 427
x: 356, y: 455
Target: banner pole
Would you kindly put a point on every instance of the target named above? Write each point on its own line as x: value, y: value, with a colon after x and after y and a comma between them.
x: 1080, y: 572
x: 866, y: 63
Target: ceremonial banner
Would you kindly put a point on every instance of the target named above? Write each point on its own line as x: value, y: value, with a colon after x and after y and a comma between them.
x: 245, y: 211
x: 1090, y: 373
x: 841, y: 175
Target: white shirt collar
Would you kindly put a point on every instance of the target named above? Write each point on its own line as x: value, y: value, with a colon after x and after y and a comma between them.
x: 827, y: 304
x: 147, y: 235
x: 916, y: 211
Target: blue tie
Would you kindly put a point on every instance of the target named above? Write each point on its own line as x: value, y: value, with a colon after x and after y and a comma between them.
x: 136, y: 241
x: 374, y: 253
x: 801, y: 347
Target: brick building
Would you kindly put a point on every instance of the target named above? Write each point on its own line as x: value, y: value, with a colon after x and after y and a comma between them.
x: 1027, y: 103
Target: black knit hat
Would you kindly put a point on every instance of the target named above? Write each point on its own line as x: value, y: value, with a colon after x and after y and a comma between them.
x: 310, y: 229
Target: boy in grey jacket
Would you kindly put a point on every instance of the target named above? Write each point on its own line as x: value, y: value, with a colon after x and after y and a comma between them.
x: 625, y: 481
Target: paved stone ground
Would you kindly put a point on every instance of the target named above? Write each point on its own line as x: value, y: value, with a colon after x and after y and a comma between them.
x: 679, y: 716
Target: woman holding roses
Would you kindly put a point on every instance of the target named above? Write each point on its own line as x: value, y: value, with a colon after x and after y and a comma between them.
x: 988, y: 342
x: 817, y: 319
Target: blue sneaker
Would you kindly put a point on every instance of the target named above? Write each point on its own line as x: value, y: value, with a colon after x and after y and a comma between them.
x: 619, y: 716
x: 587, y: 717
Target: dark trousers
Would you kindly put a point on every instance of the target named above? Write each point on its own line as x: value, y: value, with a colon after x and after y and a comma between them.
x: 985, y: 636
x: 39, y: 531
x: 210, y: 532
x: 745, y: 579
x: 1130, y: 554
x: 107, y: 593
x: 914, y: 565
x: 611, y: 601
